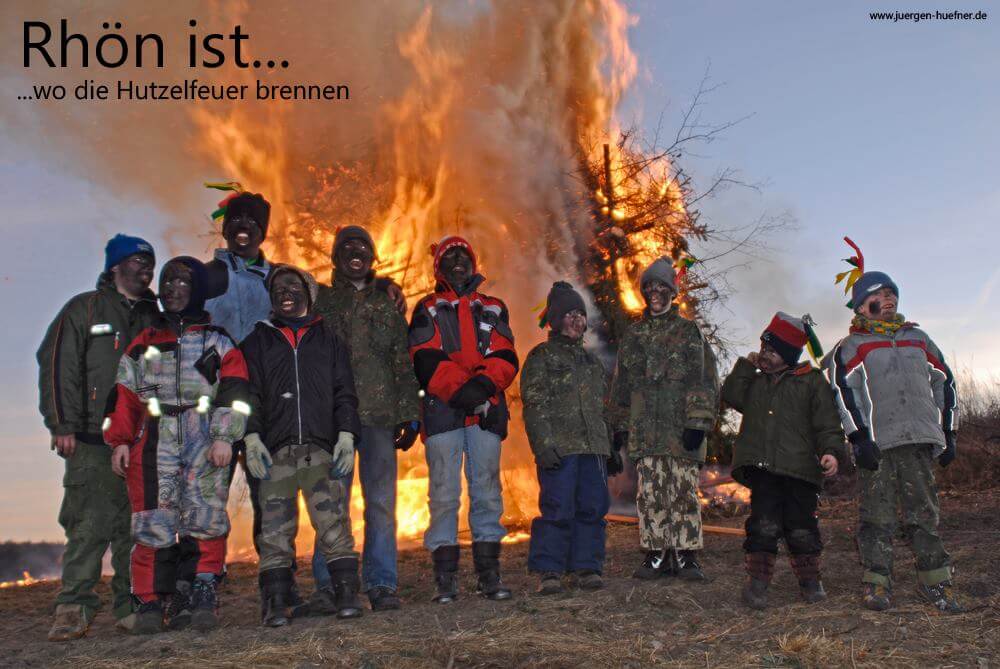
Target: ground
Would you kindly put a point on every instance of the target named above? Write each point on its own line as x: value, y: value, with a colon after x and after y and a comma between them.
x: 630, y: 623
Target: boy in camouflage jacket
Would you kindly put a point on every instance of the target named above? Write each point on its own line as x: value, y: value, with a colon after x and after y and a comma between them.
x: 789, y: 439
x: 563, y: 388
x: 664, y: 399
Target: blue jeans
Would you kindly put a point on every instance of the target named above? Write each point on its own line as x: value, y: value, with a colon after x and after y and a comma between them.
x: 481, y: 451
x: 569, y: 535
x: 377, y: 471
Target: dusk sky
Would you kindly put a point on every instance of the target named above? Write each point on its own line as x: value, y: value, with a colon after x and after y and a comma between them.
x: 882, y: 131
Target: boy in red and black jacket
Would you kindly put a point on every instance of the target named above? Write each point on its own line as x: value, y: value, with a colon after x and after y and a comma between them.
x: 463, y: 355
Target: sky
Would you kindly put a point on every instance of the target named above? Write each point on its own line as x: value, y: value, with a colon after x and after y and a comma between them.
x: 881, y: 131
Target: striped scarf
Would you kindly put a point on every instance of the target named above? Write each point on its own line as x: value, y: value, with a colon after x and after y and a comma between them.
x: 878, y: 327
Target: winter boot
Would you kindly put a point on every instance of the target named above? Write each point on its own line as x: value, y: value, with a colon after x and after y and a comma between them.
x: 760, y: 569
x: 486, y: 557
x: 148, y: 617
x: 549, y: 584
x: 204, y: 603
x: 298, y: 607
x: 70, y: 623
x: 941, y: 597
x: 806, y: 568
x: 178, y: 611
x: 656, y: 564
x: 688, y: 567
x: 588, y: 579
x: 878, y: 597
x: 323, y: 602
x: 344, y: 574
x: 446, y: 574
x: 382, y: 598
x: 275, y: 588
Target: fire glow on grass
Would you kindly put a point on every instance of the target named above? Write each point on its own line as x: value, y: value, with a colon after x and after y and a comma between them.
x: 26, y: 579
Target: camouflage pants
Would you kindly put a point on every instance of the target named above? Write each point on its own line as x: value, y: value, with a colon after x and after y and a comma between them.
x: 669, y: 512
x: 306, y: 468
x: 905, y: 478
x: 95, y: 514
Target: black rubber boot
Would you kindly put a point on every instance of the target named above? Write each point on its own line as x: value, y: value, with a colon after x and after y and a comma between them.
x: 760, y: 569
x: 446, y: 574
x: 486, y: 557
x: 148, y: 618
x: 178, y: 611
x: 655, y: 565
x: 275, y: 589
x: 298, y: 607
x: 204, y: 604
x: 688, y: 567
x: 346, y: 583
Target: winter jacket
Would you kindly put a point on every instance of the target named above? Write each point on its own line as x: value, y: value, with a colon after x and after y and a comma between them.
x: 301, y: 386
x: 665, y: 381
x: 192, y: 387
x: 78, y: 357
x: 896, y: 387
x: 375, y: 333
x: 790, y: 420
x: 563, y: 388
x: 239, y: 298
x: 454, y: 338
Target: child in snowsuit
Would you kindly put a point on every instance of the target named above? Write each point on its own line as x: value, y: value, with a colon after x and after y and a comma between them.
x: 788, y: 441
x: 563, y: 388
x: 301, y: 437
x: 178, y: 406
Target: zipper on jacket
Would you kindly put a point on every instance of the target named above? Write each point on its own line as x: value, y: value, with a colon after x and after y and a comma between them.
x: 298, y: 392
x: 177, y: 360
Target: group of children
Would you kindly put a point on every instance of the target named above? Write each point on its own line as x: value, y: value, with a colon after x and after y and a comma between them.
x: 256, y: 358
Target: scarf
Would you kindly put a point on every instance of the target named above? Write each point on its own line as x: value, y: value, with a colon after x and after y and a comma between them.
x: 879, y: 327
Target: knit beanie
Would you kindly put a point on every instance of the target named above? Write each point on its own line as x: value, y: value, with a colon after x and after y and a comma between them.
x: 307, y: 279
x: 438, y: 250
x: 869, y: 283
x: 789, y: 335
x: 122, y: 246
x: 662, y: 269
x: 352, y: 232
x: 251, y: 204
x: 562, y: 300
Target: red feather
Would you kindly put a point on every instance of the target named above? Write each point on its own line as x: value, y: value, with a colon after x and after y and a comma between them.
x: 860, y: 258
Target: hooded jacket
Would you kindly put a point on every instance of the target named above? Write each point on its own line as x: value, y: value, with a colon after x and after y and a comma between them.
x: 896, y: 387
x: 454, y: 337
x: 789, y: 421
x: 78, y: 357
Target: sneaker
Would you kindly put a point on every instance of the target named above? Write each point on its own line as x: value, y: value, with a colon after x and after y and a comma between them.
x: 204, y: 604
x: 877, y: 597
x: 656, y: 564
x: 588, y: 579
x: 382, y: 598
x: 941, y: 597
x: 70, y: 623
x: 550, y: 584
x: 148, y: 618
x: 688, y: 567
x: 178, y: 612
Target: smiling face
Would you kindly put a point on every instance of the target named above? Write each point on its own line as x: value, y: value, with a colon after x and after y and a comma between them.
x: 574, y: 324
x: 456, y: 265
x: 134, y: 274
x: 175, y: 287
x: 768, y: 359
x: 289, y: 295
x: 880, y: 305
x: 354, y: 259
x: 243, y: 236
x: 658, y: 296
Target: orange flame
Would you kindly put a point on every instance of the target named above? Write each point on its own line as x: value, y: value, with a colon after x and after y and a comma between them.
x: 26, y: 579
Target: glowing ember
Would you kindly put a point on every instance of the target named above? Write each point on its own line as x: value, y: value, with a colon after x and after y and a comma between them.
x: 27, y: 579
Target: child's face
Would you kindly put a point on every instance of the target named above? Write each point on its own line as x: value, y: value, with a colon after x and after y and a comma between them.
x: 880, y: 305
x: 768, y: 359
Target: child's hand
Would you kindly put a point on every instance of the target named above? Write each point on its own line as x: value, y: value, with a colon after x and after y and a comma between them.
x: 220, y: 454
x: 829, y: 465
x: 119, y: 460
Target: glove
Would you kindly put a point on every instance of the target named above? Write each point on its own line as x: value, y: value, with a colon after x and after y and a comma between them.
x: 549, y: 459
x: 615, y: 463
x: 405, y: 434
x: 949, y: 450
x: 619, y: 441
x: 343, y: 456
x: 866, y: 453
x: 257, y: 458
x: 474, y: 392
x: 692, y: 439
